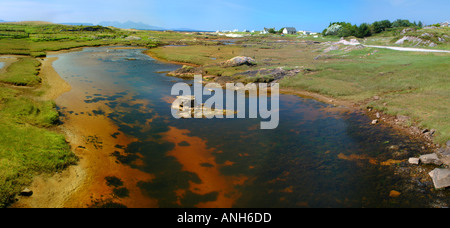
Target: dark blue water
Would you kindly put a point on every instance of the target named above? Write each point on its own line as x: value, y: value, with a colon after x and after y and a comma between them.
x: 319, y: 156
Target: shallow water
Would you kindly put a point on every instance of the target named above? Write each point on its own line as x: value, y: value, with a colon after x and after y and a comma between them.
x: 319, y: 156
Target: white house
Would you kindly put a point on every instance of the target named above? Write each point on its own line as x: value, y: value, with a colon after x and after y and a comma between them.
x: 290, y: 30
x: 265, y: 31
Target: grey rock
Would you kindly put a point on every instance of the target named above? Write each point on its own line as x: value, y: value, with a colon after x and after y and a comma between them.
x: 239, y: 61
x: 374, y: 122
x: 404, y: 31
x: 131, y: 38
x: 378, y: 115
x: 430, y: 159
x: 432, y: 45
x: 402, y: 118
x: 443, y: 151
x: 414, y: 161
x: 441, y: 178
x: 331, y: 48
x: 448, y: 144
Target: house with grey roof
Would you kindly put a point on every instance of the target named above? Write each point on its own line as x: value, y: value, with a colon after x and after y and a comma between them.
x: 290, y: 30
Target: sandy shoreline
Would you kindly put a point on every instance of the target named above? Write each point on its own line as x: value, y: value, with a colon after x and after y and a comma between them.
x: 84, y: 184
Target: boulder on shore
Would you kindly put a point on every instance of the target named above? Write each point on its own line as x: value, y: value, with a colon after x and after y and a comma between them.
x: 26, y: 192
x: 239, y: 61
x: 430, y: 159
x: 414, y: 161
x: 441, y: 178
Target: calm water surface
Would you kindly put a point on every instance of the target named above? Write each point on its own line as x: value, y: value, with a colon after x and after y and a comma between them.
x: 319, y: 156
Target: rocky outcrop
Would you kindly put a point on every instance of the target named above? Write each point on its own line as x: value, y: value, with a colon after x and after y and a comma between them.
x: 352, y: 42
x: 441, y: 178
x: 186, y: 72
x: 133, y: 38
x: 430, y: 159
x: 416, y: 41
x: 273, y: 74
x: 239, y: 61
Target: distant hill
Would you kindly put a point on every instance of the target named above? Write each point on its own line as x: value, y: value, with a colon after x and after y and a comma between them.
x: 30, y: 22
x: 74, y: 24
x: 130, y: 25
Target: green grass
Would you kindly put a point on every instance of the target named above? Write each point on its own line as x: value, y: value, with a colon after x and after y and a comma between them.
x: 24, y: 72
x: 26, y: 151
x: 27, y: 146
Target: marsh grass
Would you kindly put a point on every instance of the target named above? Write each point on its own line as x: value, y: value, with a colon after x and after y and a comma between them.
x: 24, y: 72
x: 27, y: 146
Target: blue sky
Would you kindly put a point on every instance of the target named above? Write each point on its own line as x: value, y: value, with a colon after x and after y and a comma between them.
x: 214, y: 15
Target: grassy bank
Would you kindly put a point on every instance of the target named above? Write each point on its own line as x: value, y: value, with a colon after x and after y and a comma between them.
x: 28, y: 145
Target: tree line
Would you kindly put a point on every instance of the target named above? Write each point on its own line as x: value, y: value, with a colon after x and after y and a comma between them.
x: 344, y: 29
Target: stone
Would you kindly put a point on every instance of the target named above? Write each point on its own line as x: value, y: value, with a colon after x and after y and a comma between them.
x: 448, y: 144
x: 131, y: 38
x: 443, y: 151
x: 404, y: 31
x: 394, y: 194
x: 26, y: 192
x: 441, y: 178
x: 376, y: 98
x: 414, y: 161
x: 374, y: 122
x: 430, y: 159
x: 239, y: 61
x: 378, y: 115
x: 402, y: 118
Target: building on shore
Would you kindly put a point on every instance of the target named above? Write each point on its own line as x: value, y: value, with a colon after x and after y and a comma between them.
x: 290, y: 30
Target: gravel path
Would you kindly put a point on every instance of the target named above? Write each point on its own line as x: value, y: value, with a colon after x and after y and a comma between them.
x: 408, y: 49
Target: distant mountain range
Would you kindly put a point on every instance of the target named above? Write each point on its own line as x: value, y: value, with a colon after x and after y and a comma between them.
x: 74, y: 23
x: 141, y: 26
x: 128, y: 25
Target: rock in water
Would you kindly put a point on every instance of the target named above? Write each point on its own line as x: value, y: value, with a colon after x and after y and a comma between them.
x: 441, y: 178
x: 430, y: 159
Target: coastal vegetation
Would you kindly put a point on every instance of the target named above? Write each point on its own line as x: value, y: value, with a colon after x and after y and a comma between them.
x: 344, y: 29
